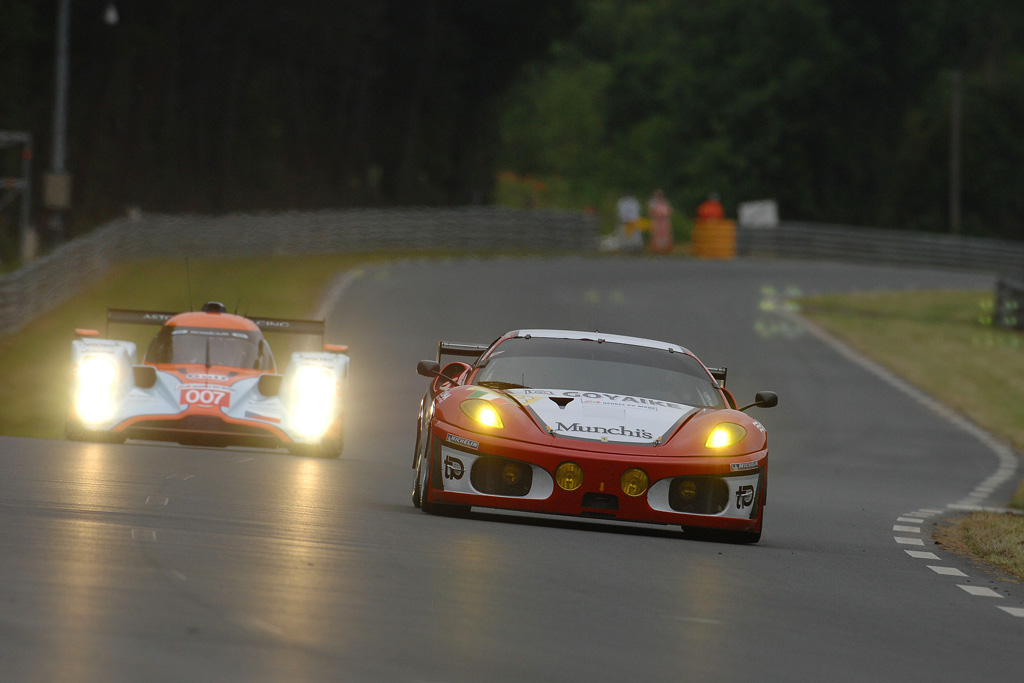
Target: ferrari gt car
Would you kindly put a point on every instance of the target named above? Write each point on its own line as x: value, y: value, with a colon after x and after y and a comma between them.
x: 589, y: 424
x: 208, y: 378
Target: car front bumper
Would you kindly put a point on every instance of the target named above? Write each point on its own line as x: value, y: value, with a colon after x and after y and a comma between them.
x: 725, y: 493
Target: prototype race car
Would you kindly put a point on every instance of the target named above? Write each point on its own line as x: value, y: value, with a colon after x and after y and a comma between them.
x: 208, y: 378
x: 597, y: 425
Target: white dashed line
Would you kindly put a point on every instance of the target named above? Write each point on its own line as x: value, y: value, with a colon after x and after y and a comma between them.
x: 980, y: 591
x: 1006, y: 469
x: 1013, y: 611
x: 946, y: 571
x: 922, y: 554
x: 143, y: 535
x: 908, y: 541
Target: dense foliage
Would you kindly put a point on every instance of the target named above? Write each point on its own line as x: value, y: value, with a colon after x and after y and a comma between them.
x: 840, y: 110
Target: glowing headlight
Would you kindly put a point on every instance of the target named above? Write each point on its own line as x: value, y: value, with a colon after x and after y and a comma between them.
x: 94, y: 390
x: 569, y: 476
x: 313, y: 390
x: 725, y: 434
x: 634, y: 482
x: 483, y: 412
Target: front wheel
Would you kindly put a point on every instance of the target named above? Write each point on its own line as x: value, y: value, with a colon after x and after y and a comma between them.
x: 422, y: 488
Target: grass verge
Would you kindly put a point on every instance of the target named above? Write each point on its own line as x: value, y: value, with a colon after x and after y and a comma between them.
x: 943, y: 342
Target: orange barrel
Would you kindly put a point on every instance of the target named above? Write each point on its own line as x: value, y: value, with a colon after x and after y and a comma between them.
x: 713, y: 239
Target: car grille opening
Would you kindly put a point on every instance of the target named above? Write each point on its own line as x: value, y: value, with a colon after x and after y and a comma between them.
x: 501, y: 476
x: 698, y: 495
x: 600, y: 501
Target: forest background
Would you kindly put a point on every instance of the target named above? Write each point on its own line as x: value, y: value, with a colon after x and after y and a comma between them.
x: 838, y: 110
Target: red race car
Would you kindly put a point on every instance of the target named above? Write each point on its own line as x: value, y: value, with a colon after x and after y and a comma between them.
x: 589, y: 424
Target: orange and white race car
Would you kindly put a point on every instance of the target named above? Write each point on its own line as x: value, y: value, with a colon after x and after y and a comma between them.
x: 208, y: 378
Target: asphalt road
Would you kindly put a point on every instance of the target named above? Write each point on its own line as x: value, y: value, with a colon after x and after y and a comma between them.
x: 149, y: 562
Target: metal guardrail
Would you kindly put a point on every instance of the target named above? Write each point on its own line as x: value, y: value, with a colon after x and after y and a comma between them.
x: 51, y: 280
x: 846, y: 243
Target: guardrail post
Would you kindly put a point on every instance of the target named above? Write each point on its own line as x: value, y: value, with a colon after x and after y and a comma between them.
x: 1009, y: 308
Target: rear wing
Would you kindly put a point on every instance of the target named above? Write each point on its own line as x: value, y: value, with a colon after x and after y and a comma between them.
x: 289, y: 325
x: 468, y: 353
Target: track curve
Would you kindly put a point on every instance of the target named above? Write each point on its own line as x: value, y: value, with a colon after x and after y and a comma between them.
x: 158, y: 562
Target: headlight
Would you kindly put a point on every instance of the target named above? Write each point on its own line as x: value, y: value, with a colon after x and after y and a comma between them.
x: 725, y: 434
x: 634, y: 482
x: 313, y: 392
x: 483, y: 412
x: 94, y: 390
x: 569, y: 476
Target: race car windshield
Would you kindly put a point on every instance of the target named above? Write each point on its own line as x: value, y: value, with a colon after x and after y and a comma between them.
x: 604, y: 367
x: 204, y: 346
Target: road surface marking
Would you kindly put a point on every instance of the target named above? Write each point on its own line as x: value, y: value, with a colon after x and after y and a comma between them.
x: 1013, y: 611
x: 946, y: 571
x: 980, y: 591
x: 908, y: 541
x: 922, y: 554
x: 907, y: 529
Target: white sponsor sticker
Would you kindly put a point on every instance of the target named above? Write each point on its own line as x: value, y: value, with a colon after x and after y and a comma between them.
x: 740, y: 466
x: 468, y: 443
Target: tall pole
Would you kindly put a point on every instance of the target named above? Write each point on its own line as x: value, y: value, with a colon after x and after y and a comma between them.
x: 955, y: 116
x: 58, y: 185
x: 28, y: 235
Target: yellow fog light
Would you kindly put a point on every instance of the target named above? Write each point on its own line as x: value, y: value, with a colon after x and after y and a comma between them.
x: 634, y: 482
x: 725, y: 434
x: 569, y: 476
x: 483, y: 412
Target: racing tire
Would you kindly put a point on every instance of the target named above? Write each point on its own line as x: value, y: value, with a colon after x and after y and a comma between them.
x: 424, y: 475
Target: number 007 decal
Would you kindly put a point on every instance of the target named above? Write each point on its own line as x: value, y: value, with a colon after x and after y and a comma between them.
x: 204, y: 397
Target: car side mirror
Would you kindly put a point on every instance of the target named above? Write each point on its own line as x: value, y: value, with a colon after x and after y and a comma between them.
x: 270, y: 385
x: 428, y: 368
x: 763, y: 399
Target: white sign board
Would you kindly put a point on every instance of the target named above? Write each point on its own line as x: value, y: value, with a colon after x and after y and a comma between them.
x: 763, y: 213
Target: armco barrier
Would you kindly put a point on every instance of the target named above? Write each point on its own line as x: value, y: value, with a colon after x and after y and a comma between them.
x: 53, y: 279
x: 845, y: 243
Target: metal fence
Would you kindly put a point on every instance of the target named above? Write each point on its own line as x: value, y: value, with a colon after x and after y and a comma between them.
x: 53, y: 279
x: 846, y: 243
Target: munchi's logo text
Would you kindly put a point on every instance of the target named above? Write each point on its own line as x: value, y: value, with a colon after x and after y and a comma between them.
x: 621, y: 430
